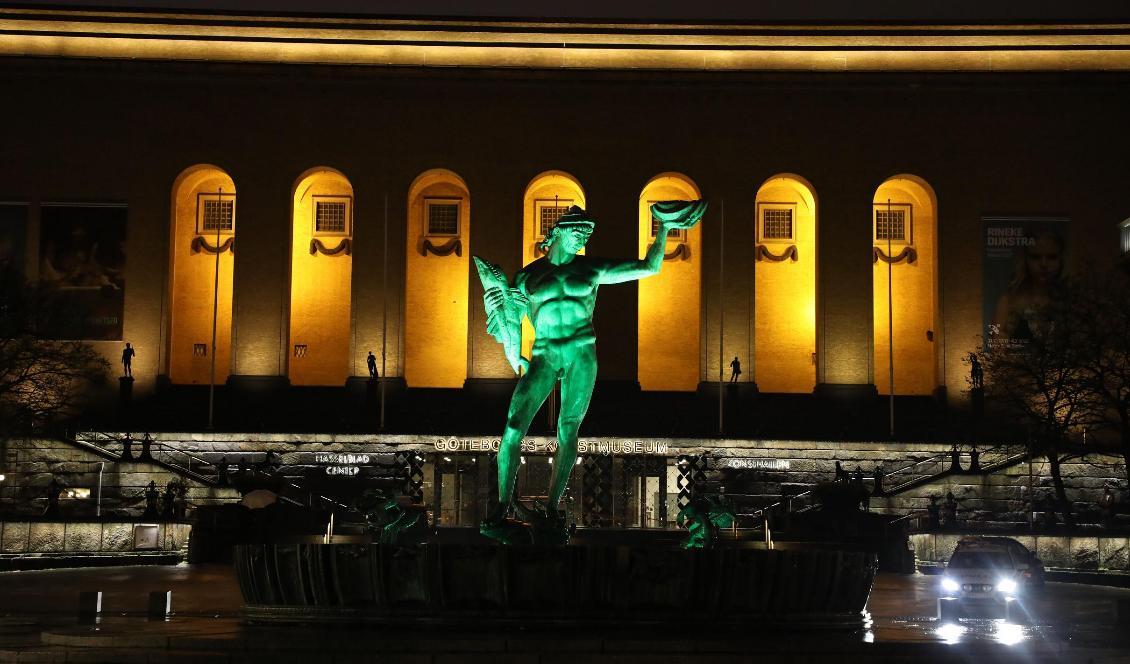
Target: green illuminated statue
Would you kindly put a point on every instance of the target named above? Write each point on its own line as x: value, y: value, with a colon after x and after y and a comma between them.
x: 558, y: 294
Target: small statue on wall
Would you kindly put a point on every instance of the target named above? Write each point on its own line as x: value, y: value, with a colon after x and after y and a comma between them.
x: 151, y: 497
x: 127, y: 361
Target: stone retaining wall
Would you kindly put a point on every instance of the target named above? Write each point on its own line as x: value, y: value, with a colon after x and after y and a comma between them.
x: 999, y: 499
x: 29, y: 465
x: 18, y: 537
x: 1092, y: 553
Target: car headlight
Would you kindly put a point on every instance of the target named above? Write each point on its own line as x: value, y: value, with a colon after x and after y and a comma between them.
x: 1006, y: 586
x: 950, y: 585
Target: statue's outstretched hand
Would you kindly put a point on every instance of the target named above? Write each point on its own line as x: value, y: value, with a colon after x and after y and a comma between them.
x: 678, y: 214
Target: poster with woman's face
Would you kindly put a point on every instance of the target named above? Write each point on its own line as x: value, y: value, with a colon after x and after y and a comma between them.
x: 82, y: 260
x: 1025, y: 259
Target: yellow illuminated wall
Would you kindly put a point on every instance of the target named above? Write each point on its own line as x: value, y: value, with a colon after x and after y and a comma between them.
x: 553, y: 188
x: 194, y: 284
x: 320, y: 273
x: 435, y: 312
x: 914, y: 292
x: 670, y: 302
x: 785, y: 290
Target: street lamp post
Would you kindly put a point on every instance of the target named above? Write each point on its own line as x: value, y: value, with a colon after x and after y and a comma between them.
x: 215, y: 311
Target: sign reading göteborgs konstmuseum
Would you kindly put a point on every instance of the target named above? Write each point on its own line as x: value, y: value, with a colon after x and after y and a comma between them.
x: 549, y: 446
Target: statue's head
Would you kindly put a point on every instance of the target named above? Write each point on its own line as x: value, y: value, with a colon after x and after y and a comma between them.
x: 574, y: 228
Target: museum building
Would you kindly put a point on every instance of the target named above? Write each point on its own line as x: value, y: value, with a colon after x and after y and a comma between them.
x: 254, y: 199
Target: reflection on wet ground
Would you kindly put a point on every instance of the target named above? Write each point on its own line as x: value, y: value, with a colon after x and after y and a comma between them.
x: 1063, y: 622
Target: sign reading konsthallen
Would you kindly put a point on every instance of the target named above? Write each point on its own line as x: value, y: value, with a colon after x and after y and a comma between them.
x: 534, y: 446
x: 754, y: 464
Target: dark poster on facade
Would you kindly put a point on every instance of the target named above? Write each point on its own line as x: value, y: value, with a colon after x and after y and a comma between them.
x: 82, y: 262
x: 13, y: 224
x: 1024, y: 260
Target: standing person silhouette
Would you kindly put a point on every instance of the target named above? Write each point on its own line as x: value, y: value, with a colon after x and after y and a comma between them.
x: 127, y: 360
x: 558, y: 294
x: 371, y: 361
x: 735, y: 370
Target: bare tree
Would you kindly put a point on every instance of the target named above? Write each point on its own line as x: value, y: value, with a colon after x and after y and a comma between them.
x: 1040, y: 384
x: 1101, y: 321
x: 41, y: 381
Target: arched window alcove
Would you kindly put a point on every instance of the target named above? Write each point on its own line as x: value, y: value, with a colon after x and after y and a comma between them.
x: 436, y: 283
x: 784, y: 354
x: 670, y: 303
x: 321, y: 268
x: 904, y: 246
x: 201, y: 255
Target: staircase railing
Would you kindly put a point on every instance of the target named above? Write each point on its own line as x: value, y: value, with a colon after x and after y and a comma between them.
x: 199, y: 469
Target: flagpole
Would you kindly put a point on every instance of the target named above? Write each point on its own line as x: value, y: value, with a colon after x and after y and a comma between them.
x: 215, y: 309
x: 721, y: 311
x: 384, y: 315
x: 890, y: 319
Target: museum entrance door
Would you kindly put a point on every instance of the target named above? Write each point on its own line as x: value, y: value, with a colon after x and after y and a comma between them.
x: 460, y: 490
x: 642, y: 494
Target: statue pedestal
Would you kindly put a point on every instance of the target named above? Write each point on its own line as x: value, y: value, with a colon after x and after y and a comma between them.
x: 734, y: 586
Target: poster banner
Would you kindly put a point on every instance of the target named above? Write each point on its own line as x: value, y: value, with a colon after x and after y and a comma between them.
x: 13, y: 225
x: 1025, y: 258
x: 82, y: 260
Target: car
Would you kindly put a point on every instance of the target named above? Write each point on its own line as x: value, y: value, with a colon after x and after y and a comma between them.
x: 1031, y: 568
x: 982, y: 579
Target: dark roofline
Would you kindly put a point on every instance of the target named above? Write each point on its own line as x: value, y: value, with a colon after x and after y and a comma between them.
x: 690, y: 12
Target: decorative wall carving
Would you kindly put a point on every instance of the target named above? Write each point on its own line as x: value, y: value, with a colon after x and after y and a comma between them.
x: 343, y: 247
x: 681, y: 252
x: 453, y: 245
x: 200, y: 243
x: 790, y: 253
x: 908, y: 254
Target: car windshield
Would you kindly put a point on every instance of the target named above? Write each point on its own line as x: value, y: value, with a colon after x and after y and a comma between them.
x: 980, y: 559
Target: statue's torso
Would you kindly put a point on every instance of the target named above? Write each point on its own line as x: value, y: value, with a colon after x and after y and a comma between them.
x: 562, y: 297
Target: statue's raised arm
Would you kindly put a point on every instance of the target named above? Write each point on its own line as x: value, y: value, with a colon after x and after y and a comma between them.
x: 671, y: 215
x: 505, y: 307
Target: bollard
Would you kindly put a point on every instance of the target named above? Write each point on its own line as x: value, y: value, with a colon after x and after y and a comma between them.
x: 89, y: 606
x: 160, y: 604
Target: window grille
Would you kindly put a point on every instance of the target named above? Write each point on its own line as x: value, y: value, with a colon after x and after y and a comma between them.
x: 890, y: 225
x: 1124, y: 232
x: 329, y: 217
x: 776, y: 224
x: 218, y: 215
x: 548, y: 216
x: 443, y: 219
x: 200, y: 350
x: 674, y: 234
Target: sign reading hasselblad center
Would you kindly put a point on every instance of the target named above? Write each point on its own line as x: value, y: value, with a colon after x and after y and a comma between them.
x: 549, y: 446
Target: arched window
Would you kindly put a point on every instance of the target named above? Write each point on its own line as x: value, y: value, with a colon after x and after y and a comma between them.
x: 547, y: 197
x: 784, y: 355
x: 202, y: 253
x: 670, y: 302
x: 904, y: 245
x: 438, y: 264
x: 321, y: 268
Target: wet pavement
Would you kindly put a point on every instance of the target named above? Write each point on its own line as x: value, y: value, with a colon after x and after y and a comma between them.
x: 1068, y: 622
